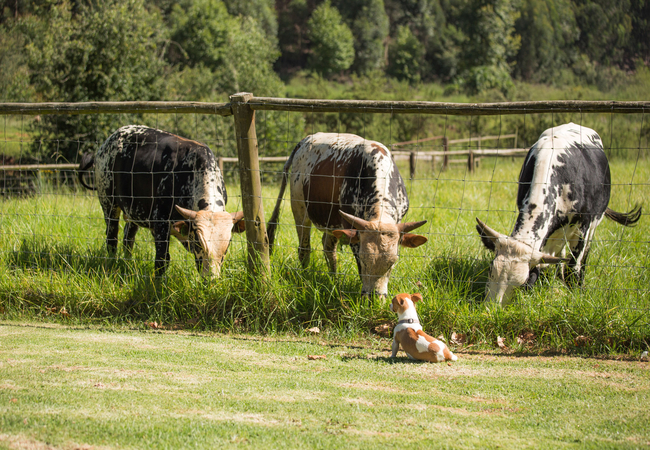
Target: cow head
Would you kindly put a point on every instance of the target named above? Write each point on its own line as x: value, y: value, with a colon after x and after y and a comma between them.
x: 207, y: 234
x: 512, y: 263
x: 378, y: 244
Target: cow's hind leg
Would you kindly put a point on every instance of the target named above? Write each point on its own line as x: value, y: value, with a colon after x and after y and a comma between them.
x: 112, y: 219
x: 303, y: 228
x: 329, y: 248
x: 130, y: 229
x: 161, y: 237
x: 579, y: 246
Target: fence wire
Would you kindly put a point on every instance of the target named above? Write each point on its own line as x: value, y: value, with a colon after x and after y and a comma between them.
x: 455, y: 168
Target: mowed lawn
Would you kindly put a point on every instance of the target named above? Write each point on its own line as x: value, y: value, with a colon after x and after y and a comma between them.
x: 69, y: 388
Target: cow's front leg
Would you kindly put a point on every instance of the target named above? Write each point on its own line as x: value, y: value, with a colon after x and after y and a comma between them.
x: 130, y: 229
x: 329, y: 248
x: 112, y: 219
x: 161, y: 238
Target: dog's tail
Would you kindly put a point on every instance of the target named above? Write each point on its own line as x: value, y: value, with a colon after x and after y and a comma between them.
x: 449, y: 356
x: 87, y: 161
x: 628, y: 219
x: 273, y: 221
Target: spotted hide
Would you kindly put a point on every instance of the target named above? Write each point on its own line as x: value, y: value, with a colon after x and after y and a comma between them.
x: 564, y: 189
x: 350, y: 189
x: 168, y: 184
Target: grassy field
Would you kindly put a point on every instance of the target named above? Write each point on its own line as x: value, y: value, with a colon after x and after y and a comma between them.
x: 84, y: 388
x: 53, y: 266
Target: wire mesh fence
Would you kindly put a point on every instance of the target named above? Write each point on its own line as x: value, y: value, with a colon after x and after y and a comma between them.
x: 458, y: 163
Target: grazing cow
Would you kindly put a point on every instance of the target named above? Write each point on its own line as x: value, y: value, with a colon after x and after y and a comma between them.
x: 349, y: 188
x: 168, y: 184
x: 564, y: 189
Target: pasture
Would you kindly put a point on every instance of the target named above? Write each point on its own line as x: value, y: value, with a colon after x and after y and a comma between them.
x: 82, y: 387
x: 54, y: 266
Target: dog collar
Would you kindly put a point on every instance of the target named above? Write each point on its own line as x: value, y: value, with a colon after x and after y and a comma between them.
x: 408, y: 321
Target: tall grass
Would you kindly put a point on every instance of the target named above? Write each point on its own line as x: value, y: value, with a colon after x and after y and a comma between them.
x: 53, y: 265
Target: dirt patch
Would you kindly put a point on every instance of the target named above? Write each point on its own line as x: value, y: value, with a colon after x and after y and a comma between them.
x: 371, y: 387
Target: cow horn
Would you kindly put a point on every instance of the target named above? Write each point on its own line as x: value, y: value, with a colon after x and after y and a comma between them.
x: 409, y: 226
x: 545, y: 258
x: 356, y: 222
x: 237, y: 216
x: 187, y: 213
x: 487, y: 231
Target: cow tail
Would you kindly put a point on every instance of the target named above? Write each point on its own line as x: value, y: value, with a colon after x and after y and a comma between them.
x: 273, y: 221
x: 87, y: 161
x: 628, y: 219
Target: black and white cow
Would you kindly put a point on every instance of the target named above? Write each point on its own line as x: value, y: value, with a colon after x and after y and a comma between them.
x: 168, y: 184
x: 349, y: 188
x: 564, y: 189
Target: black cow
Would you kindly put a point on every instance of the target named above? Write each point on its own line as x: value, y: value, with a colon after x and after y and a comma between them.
x: 564, y: 189
x: 168, y: 184
x: 349, y: 187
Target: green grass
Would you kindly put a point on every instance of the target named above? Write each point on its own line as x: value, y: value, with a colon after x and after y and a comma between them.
x: 52, y: 256
x: 70, y: 387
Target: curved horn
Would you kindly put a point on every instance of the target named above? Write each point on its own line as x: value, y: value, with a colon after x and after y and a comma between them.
x: 409, y: 226
x: 487, y: 231
x: 356, y: 222
x: 237, y: 216
x: 187, y: 213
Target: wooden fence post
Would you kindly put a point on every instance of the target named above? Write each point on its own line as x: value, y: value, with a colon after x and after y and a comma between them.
x: 470, y: 161
x: 251, y: 184
x: 412, y: 164
x: 445, y: 148
x: 220, y: 164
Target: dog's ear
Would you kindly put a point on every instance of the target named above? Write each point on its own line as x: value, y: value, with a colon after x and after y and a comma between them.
x: 416, y: 297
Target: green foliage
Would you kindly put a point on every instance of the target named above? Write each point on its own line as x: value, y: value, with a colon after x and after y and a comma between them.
x: 107, y: 52
x: 370, y: 26
x: 549, y: 33
x: 14, y: 72
x: 405, y: 56
x: 331, y: 39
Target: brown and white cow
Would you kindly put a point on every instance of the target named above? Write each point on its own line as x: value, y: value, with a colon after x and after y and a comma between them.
x: 350, y: 188
x: 166, y: 183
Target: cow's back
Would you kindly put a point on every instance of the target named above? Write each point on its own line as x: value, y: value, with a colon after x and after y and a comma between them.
x: 565, y: 179
x: 333, y: 171
x: 145, y: 172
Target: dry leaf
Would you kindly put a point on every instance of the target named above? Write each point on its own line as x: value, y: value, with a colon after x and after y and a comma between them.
x: 644, y: 356
x: 500, y: 343
x: 441, y: 338
x: 458, y: 338
x: 315, y: 357
x: 153, y: 325
x: 64, y: 312
x: 581, y: 341
x: 383, y: 330
x: 526, y: 338
x: 313, y: 330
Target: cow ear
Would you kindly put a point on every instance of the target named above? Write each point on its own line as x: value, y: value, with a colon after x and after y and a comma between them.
x: 239, y: 226
x: 180, y: 230
x: 412, y: 240
x: 351, y: 235
x: 416, y: 297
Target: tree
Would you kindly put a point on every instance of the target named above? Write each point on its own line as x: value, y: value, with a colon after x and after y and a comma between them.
x: 405, y: 56
x: 549, y: 33
x: 332, y: 43
x: 369, y: 24
x: 108, y: 52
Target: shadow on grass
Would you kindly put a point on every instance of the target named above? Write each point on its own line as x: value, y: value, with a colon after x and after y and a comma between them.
x: 63, y: 257
x: 465, y: 276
